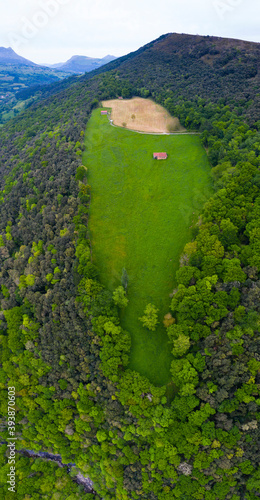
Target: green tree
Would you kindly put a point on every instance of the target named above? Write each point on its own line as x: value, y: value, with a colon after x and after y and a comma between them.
x: 181, y: 345
x: 150, y: 317
x: 119, y: 297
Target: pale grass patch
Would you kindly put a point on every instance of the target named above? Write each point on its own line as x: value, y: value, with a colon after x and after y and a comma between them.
x: 142, y: 115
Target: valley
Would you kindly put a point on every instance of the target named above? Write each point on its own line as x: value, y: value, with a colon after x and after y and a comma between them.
x: 21, y: 81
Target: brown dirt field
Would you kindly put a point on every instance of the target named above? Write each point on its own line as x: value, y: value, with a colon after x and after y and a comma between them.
x: 142, y: 115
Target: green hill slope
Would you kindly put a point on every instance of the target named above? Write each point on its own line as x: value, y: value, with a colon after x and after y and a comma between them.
x: 140, y: 218
x: 177, y: 65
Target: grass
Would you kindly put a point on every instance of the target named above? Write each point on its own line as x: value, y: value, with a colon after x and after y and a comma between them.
x: 140, y: 217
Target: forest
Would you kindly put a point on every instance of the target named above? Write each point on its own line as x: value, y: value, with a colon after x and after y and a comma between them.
x: 62, y: 345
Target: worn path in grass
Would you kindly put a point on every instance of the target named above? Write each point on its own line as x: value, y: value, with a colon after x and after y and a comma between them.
x: 140, y: 217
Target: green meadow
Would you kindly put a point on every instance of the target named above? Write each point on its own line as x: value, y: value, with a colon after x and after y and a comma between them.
x: 140, y: 216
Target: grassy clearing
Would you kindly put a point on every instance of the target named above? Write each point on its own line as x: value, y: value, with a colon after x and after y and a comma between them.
x: 142, y: 115
x: 140, y: 214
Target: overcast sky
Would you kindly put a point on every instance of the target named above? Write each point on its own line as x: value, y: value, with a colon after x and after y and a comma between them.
x: 49, y: 31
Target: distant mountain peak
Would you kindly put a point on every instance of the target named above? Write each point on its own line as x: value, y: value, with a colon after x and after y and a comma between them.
x: 9, y: 56
x: 82, y: 64
x: 108, y: 56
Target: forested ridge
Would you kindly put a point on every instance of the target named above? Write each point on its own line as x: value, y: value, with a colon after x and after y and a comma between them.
x: 62, y: 346
x: 177, y: 64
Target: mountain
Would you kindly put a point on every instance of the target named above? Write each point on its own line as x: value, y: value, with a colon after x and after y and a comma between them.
x: 64, y: 352
x: 82, y: 64
x: 183, y: 50
x: 8, y: 56
x: 188, y: 65
x: 19, y: 74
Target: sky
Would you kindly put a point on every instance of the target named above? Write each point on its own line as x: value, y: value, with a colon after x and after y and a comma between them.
x: 52, y: 31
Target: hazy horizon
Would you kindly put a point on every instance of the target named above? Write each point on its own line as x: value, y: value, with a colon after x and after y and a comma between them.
x: 52, y: 31
x: 105, y: 55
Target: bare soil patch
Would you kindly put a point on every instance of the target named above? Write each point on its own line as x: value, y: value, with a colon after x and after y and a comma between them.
x: 142, y: 115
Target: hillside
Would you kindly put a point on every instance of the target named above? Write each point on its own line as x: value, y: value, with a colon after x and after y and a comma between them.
x: 142, y: 115
x: 190, y: 65
x: 64, y: 346
x: 178, y: 65
x: 138, y: 202
x: 22, y: 82
x: 19, y: 74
